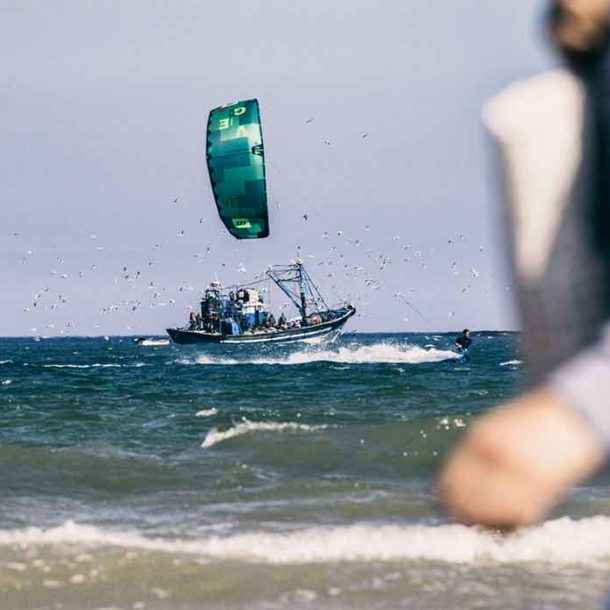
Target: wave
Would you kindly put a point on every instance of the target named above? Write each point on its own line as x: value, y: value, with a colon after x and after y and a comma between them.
x: 511, y: 363
x: 6, y: 361
x: 206, y: 412
x: 380, y: 353
x: 215, y: 436
x: 6, y: 382
x: 561, y: 541
x: 93, y: 366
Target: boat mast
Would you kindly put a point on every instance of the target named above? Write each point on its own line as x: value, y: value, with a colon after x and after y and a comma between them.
x: 303, y: 307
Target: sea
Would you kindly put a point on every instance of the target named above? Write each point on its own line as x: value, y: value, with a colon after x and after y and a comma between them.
x: 168, y: 477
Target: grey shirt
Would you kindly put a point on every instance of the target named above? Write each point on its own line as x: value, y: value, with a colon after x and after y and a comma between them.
x: 545, y: 132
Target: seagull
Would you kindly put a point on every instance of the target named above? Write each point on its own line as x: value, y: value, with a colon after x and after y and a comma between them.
x: 305, y: 216
x: 310, y: 120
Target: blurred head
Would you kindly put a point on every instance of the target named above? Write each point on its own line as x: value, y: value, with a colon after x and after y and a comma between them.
x: 579, y: 28
x: 466, y: 332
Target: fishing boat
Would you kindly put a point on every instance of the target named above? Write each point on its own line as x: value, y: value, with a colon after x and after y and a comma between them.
x: 239, y: 314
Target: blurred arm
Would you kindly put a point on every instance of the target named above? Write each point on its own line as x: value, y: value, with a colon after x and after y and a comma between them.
x: 518, y: 461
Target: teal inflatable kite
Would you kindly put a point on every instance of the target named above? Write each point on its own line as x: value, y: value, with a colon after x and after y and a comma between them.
x: 236, y: 163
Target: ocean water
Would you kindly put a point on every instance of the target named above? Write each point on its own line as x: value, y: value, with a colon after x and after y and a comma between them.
x: 302, y: 477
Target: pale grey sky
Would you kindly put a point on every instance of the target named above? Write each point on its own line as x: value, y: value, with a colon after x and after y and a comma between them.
x: 102, y: 112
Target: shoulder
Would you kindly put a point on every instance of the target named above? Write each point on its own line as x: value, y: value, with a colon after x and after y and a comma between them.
x: 540, y: 102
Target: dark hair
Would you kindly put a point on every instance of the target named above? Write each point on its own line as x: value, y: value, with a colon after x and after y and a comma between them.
x: 581, y: 61
x: 465, y: 331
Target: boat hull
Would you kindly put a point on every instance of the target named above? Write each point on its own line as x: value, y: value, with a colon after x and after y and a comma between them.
x: 317, y: 331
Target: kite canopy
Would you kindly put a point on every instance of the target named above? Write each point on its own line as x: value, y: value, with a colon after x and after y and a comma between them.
x: 236, y: 162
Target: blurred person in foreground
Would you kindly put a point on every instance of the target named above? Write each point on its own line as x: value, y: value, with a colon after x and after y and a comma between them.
x: 553, y: 135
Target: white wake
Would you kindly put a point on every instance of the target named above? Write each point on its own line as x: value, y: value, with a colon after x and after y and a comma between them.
x: 379, y: 353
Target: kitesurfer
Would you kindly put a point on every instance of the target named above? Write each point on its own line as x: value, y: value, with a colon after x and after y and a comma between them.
x: 516, y: 463
x: 463, y: 341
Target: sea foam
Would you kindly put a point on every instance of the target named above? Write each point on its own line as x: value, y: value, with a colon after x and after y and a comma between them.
x: 379, y: 353
x: 215, y: 436
x: 560, y: 541
x: 511, y: 363
x: 95, y: 365
x: 206, y: 412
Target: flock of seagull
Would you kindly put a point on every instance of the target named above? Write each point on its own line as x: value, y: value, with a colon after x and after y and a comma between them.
x: 343, y: 261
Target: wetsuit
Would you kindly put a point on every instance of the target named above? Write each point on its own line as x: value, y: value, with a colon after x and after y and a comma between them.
x: 463, y: 343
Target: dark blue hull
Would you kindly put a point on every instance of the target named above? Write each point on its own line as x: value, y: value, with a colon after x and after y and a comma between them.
x: 185, y: 336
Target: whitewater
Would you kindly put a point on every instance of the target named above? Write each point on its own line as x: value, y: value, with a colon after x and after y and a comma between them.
x: 379, y: 353
x: 560, y: 541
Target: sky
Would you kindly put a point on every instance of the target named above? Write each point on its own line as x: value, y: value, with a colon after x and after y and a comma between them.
x: 380, y: 175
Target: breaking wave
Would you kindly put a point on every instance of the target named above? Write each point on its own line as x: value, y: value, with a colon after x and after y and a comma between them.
x: 207, y: 412
x: 560, y: 541
x: 511, y: 363
x: 215, y: 436
x: 96, y: 365
x: 381, y: 353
